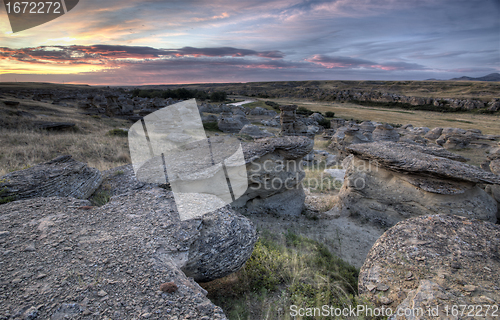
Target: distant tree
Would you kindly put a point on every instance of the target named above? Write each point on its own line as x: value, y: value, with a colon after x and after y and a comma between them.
x: 218, y: 96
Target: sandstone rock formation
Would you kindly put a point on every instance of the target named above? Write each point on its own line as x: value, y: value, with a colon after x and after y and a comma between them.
x: 62, y: 176
x: 274, y: 175
x: 109, y: 262
x: 435, y: 261
x: 387, y: 182
x: 290, y: 125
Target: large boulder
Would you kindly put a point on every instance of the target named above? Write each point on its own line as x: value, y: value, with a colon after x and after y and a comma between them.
x: 111, y: 261
x: 62, y: 176
x: 387, y: 182
x: 434, y: 265
x: 274, y: 175
x: 230, y: 125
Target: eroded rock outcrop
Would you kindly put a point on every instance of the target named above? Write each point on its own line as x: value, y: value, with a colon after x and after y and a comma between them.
x: 255, y: 132
x: 65, y: 252
x: 434, y: 261
x: 274, y: 175
x: 387, y: 182
x: 62, y: 176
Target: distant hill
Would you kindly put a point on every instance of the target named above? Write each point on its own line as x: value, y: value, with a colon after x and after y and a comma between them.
x: 490, y: 77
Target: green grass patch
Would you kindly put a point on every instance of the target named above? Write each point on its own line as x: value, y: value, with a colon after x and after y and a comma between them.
x: 255, y: 104
x: 3, y: 191
x: 285, y: 270
x: 118, y: 133
x: 211, y: 126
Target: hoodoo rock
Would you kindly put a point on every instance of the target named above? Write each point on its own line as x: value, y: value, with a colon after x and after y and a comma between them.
x: 387, y: 182
x: 62, y: 176
x: 275, y: 173
x: 436, y: 263
x: 82, y: 260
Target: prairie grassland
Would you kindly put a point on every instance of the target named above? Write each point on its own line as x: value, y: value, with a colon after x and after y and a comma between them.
x: 88, y: 141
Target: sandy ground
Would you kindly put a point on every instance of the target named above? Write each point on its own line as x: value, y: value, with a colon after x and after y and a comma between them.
x: 348, y: 238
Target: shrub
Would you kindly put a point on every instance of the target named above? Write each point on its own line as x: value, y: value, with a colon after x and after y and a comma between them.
x: 273, y: 104
x: 304, y: 111
x: 118, y: 133
x: 330, y: 114
x: 325, y: 123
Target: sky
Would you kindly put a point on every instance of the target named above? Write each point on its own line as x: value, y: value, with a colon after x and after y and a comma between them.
x: 131, y: 42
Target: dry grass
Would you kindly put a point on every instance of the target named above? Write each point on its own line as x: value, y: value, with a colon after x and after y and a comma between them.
x: 24, y: 147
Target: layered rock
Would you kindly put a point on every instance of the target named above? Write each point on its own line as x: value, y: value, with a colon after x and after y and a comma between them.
x: 290, y: 125
x: 62, y: 176
x: 387, y: 182
x: 123, y: 251
x: 433, y: 263
x: 274, y: 175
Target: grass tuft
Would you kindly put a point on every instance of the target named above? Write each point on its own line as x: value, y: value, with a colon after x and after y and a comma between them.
x: 3, y: 191
x: 118, y: 133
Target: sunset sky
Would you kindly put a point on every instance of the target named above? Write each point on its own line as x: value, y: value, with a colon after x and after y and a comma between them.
x: 129, y: 42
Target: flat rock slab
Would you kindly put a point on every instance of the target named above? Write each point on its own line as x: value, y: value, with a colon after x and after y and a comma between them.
x: 62, y: 176
x: 74, y: 260
x: 425, y: 161
x: 434, y: 261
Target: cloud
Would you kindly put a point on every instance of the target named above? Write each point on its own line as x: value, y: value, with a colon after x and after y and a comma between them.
x: 112, y: 54
x: 339, y: 62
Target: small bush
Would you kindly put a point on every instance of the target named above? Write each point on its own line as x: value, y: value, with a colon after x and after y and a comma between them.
x: 330, y: 114
x: 118, y: 133
x: 325, y: 123
x: 304, y: 111
x: 273, y: 105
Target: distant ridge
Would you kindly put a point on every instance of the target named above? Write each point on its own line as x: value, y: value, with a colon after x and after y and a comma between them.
x: 490, y: 77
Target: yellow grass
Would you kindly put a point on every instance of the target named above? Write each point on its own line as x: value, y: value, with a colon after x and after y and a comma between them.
x: 23, y: 147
